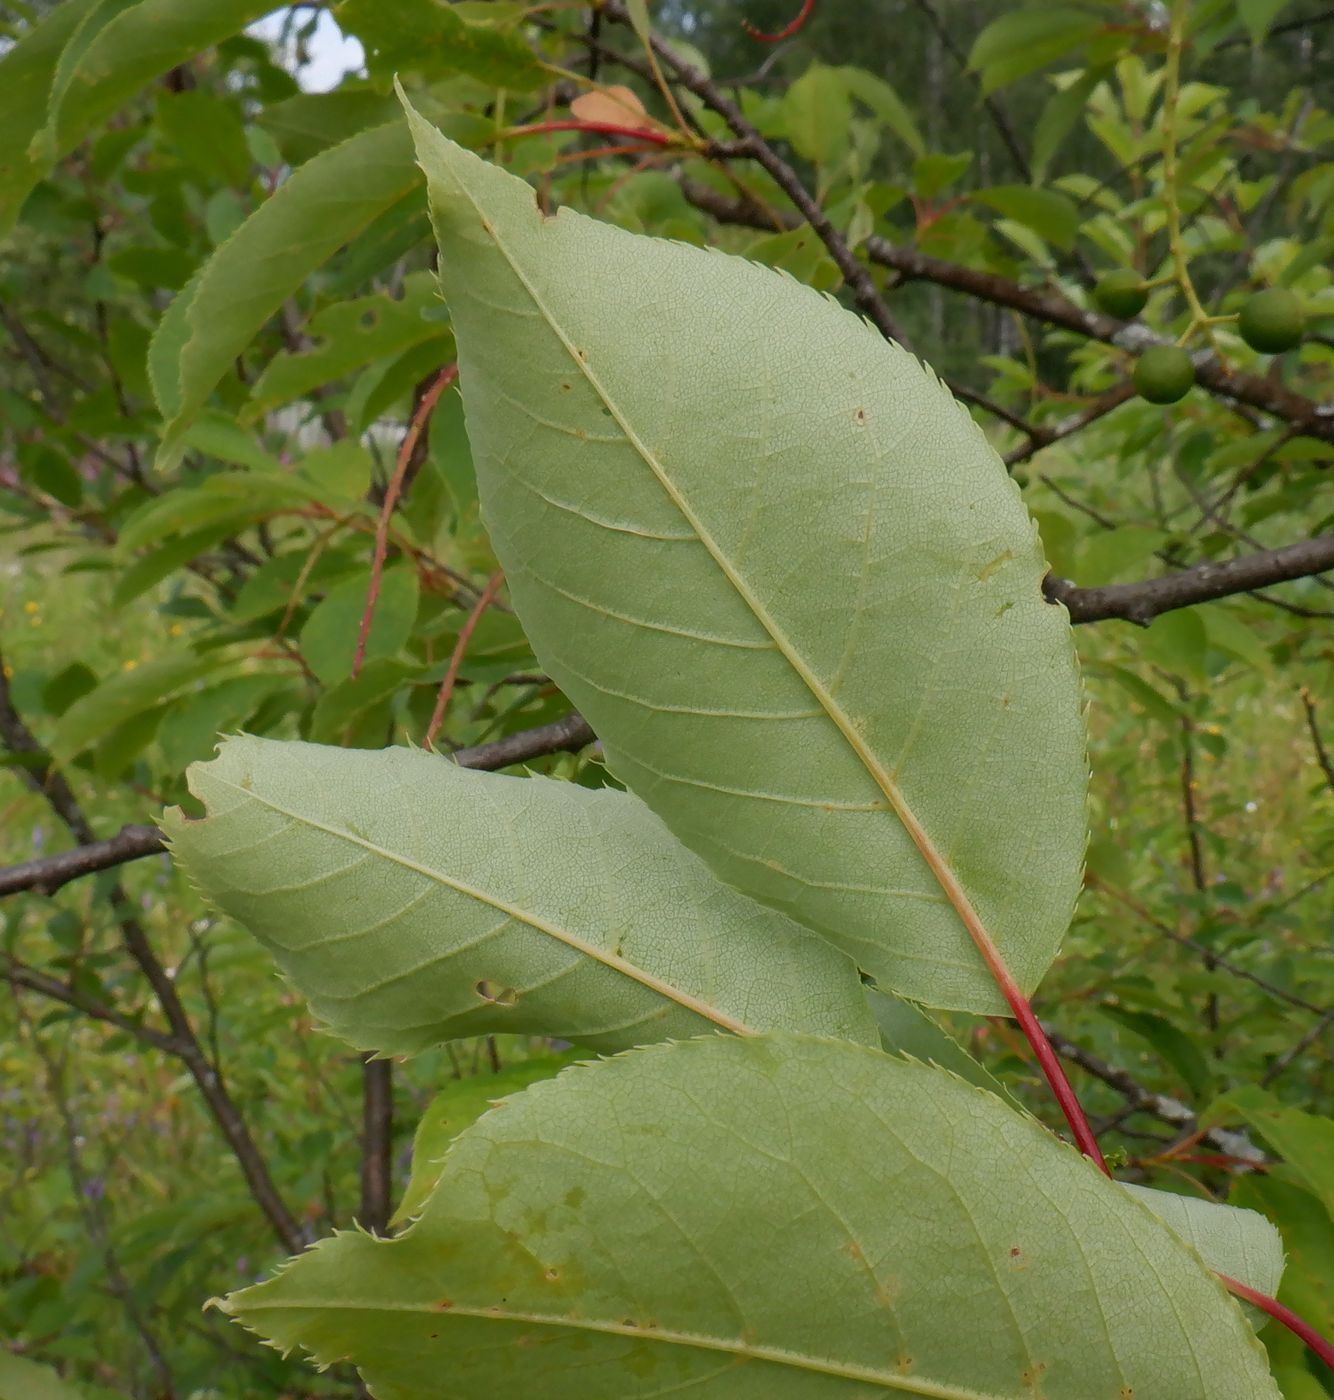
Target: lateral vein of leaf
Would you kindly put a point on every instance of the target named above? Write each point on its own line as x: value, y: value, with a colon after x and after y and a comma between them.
x: 935, y: 861
x: 571, y: 940
x: 778, y: 1356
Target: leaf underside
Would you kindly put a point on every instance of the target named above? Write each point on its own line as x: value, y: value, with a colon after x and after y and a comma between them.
x: 412, y: 901
x: 780, y: 1218
x: 784, y: 576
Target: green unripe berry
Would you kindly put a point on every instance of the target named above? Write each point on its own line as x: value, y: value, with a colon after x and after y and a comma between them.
x: 1121, y: 293
x: 1272, y: 321
x: 1164, y: 374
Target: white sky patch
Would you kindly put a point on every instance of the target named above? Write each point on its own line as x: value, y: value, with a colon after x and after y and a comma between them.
x: 332, y: 53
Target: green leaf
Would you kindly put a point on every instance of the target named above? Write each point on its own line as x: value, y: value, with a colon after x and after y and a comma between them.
x: 26, y: 74
x: 191, y: 727
x: 1177, y: 643
x: 813, y: 1226
x: 637, y: 10
x: 51, y: 471
x: 1258, y: 15
x: 309, y: 123
x: 380, y: 679
x: 88, y: 60
x: 458, y: 1106
x: 906, y: 1029
x: 234, y: 497
x: 877, y: 94
x: 1177, y: 1050
x: 345, y: 337
x: 800, y: 253
x: 165, y: 559
x: 329, y: 638
x: 1228, y: 632
x: 312, y: 214
x: 1052, y: 216
x: 1064, y: 108
x: 412, y: 901
x: 1305, y: 1141
x: 25, y: 1380
x: 1023, y: 40
x: 128, y: 693
x: 883, y: 756
x: 207, y: 134
x: 1151, y: 700
x: 1239, y: 1243
x: 431, y: 36
x: 817, y: 114
x: 937, y: 171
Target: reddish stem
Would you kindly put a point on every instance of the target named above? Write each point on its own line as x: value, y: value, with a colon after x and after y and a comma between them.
x: 786, y: 32
x: 460, y: 647
x: 428, y: 401
x: 640, y: 133
x: 1299, y: 1328
x: 1051, y: 1067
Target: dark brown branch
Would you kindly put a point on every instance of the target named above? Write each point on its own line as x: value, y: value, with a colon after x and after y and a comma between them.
x: 49, y: 873
x: 42, y: 778
x: 377, y: 1137
x: 567, y: 735
x: 1160, y: 1106
x: 1045, y: 304
x: 855, y: 273
x: 1142, y: 602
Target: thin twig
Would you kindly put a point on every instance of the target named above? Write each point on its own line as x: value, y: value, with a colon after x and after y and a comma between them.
x: 1185, y: 941
x: 460, y: 649
x: 19, y: 974
x: 1300, y: 1048
x: 1321, y: 754
x: 423, y: 411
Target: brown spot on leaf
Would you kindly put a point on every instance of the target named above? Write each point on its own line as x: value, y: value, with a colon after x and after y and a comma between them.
x: 444, y: 1304
x: 859, y: 417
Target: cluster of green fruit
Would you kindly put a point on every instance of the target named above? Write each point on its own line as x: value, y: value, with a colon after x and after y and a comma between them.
x: 1271, y: 322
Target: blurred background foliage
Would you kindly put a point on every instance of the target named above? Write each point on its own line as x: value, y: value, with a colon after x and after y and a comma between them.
x: 988, y: 161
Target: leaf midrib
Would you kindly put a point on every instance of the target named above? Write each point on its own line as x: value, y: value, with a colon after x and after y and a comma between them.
x: 935, y: 861
x: 750, y: 1351
x: 608, y: 959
